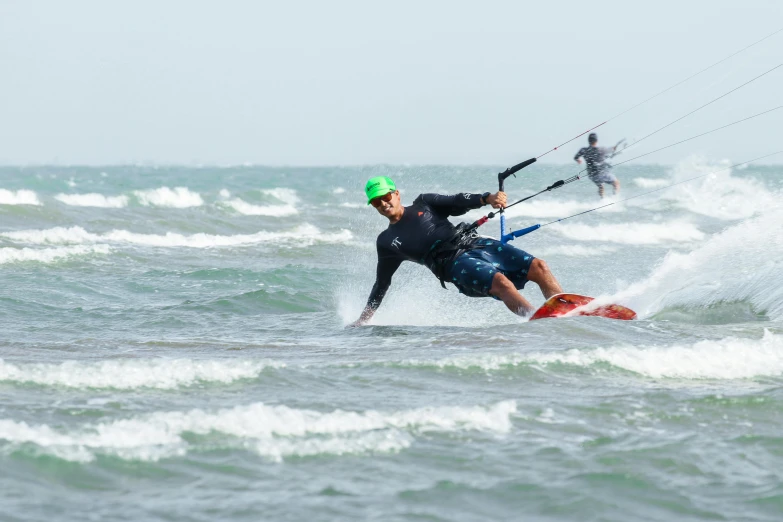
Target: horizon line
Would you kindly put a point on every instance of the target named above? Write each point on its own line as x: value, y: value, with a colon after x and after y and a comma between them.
x: 201, y: 165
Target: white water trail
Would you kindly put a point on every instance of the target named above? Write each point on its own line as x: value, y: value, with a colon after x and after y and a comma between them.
x: 742, y: 263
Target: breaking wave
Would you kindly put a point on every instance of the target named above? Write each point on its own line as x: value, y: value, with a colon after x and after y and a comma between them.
x: 273, y: 432
x: 742, y: 263
x: 19, y: 197
x: 93, y: 200
x: 729, y: 358
x: 249, y: 209
x: 576, y: 251
x: 650, y: 183
x: 632, y: 233
x: 161, y: 374
x: 49, y: 255
x: 303, y: 235
x: 283, y: 195
x: 558, y: 208
x: 178, y: 197
x: 717, y: 194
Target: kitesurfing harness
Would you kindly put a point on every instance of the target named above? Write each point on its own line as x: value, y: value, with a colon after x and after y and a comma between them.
x: 464, y: 238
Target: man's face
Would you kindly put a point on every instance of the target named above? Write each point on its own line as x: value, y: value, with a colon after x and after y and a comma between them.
x: 387, y: 208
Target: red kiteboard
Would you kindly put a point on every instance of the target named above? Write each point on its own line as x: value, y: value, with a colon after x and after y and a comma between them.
x: 561, y: 304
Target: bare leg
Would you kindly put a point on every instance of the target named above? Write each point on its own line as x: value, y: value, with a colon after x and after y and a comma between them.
x: 505, y: 290
x: 540, y: 274
x: 616, y: 185
x: 601, y: 190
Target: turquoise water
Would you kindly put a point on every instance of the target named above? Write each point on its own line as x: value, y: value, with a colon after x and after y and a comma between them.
x: 173, y: 348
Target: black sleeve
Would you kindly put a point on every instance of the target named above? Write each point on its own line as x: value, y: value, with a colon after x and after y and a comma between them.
x: 578, y: 154
x: 388, y: 263
x: 455, y: 205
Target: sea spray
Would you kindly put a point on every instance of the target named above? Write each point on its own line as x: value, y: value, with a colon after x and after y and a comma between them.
x: 742, y: 263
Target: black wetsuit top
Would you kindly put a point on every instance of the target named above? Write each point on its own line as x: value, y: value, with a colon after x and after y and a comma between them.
x: 595, y: 158
x: 411, y: 239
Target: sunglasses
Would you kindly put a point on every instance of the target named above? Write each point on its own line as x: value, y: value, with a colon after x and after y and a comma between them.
x: 376, y: 202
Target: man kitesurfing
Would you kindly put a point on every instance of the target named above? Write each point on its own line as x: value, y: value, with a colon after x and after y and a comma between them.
x: 481, y: 267
x: 598, y: 170
x: 477, y: 266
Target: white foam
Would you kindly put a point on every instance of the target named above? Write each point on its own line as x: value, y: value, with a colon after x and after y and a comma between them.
x: 248, y: 209
x: 19, y: 197
x: 552, y: 208
x: 353, y: 205
x: 385, y: 441
x: 742, y: 263
x: 717, y: 194
x: 49, y: 255
x: 93, y: 200
x: 303, y: 235
x: 547, y: 208
x: 338, y: 190
x: 650, y: 183
x: 178, y: 197
x: 272, y: 431
x: 130, y: 374
x: 285, y: 195
x: 576, y: 251
x: 729, y: 358
x: 56, y: 235
x: 632, y: 233
x: 465, y: 362
x: 224, y: 193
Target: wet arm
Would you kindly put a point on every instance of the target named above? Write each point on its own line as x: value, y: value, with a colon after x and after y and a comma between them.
x: 387, y: 265
x: 455, y: 205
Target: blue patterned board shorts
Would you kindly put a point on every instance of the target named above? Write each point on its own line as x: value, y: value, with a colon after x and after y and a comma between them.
x: 472, y: 272
x: 602, y: 176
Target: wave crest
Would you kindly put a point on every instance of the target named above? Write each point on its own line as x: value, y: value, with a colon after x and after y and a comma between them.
x: 303, y: 235
x: 49, y: 255
x: 273, y: 432
x: 729, y: 358
x: 19, y: 197
x: 178, y: 197
x: 132, y: 374
x: 632, y: 233
x: 93, y: 200
x: 248, y: 209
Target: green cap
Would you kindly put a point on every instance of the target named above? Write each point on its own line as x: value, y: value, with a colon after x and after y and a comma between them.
x: 378, y: 186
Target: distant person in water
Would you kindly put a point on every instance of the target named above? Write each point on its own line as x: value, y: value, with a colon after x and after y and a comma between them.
x: 598, y: 170
x: 477, y: 266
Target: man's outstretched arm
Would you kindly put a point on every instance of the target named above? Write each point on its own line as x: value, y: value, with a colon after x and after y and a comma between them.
x: 459, y: 204
x: 384, y: 272
x: 374, y: 301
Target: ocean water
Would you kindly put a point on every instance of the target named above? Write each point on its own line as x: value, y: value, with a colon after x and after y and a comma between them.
x: 173, y: 347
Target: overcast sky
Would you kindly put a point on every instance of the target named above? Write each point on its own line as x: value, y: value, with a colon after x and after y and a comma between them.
x: 343, y: 83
